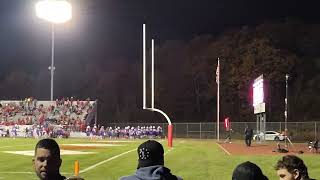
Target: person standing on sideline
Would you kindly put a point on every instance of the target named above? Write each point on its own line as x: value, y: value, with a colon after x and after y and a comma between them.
x: 248, y: 133
x: 227, y: 126
x: 228, y: 136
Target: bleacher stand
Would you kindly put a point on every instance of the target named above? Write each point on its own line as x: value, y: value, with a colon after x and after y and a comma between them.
x: 39, y: 118
x: 60, y: 118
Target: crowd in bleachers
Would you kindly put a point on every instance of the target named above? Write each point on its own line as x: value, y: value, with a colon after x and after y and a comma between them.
x: 126, y: 132
x: 65, y: 111
x: 36, y: 118
x: 43, y: 118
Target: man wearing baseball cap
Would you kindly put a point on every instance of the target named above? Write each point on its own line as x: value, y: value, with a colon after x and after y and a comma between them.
x: 151, y: 163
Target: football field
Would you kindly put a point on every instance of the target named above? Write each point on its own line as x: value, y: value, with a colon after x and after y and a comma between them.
x: 110, y: 159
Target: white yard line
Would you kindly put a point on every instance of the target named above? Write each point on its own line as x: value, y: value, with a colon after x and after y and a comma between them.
x: 93, y: 145
x: 12, y: 146
x: 112, y: 158
x: 107, y: 160
x: 168, y: 151
x: 223, y: 149
x: 86, y: 169
x: 115, y: 141
x: 11, y: 172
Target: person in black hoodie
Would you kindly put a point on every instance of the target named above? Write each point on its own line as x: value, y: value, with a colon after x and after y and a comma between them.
x: 248, y: 171
x: 248, y: 133
x: 151, y: 163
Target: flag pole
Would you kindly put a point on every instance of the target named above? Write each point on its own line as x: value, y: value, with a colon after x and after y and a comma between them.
x: 218, y: 98
x: 144, y: 106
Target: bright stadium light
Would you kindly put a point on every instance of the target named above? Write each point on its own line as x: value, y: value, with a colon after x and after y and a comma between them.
x: 258, y: 92
x: 54, y: 11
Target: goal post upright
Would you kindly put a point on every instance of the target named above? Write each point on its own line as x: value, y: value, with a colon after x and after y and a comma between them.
x: 152, y: 108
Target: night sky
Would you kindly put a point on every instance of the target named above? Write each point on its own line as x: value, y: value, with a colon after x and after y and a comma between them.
x: 112, y: 28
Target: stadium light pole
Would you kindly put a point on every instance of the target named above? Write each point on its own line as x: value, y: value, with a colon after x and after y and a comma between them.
x: 218, y: 99
x: 56, y: 12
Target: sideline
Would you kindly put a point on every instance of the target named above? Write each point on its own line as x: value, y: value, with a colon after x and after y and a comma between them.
x: 223, y: 149
x: 2, y: 147
x: 11, y: 172
x: 107, y: 160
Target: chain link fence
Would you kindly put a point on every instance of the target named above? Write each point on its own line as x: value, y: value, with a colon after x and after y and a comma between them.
x: 297, y: 131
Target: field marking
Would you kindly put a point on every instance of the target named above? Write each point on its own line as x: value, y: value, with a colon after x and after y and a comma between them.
x: 104, y: 161
x: 62, y: 152
x: 223, y: 149
x: 112, y: 158
x: 12, y: 146
x: 11, y: 172
x: 86, y: 169
x: 115, y: 141
x: 168, y: 151
x: 93, y: 145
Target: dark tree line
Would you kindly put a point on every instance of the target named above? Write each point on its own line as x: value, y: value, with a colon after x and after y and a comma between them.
x: 185, y: 86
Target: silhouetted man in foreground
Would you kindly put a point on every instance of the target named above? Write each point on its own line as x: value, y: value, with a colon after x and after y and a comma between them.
x: 248, y: 171
x: 151, y: 163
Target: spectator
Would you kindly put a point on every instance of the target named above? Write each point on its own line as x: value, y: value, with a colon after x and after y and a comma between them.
x: 151, y: 163
x: 248, y: 171
x: 47, y: 161
x: 291, y: 167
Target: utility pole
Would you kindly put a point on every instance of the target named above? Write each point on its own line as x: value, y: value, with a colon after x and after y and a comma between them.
x: 286, y: 111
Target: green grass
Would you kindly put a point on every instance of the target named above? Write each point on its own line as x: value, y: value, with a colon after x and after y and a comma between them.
x: 190, y: 159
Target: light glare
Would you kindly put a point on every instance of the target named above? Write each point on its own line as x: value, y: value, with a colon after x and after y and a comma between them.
x: 258, y: 93
x: 55, y: 11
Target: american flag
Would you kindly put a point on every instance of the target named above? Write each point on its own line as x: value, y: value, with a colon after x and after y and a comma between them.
x: 218, y: 72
